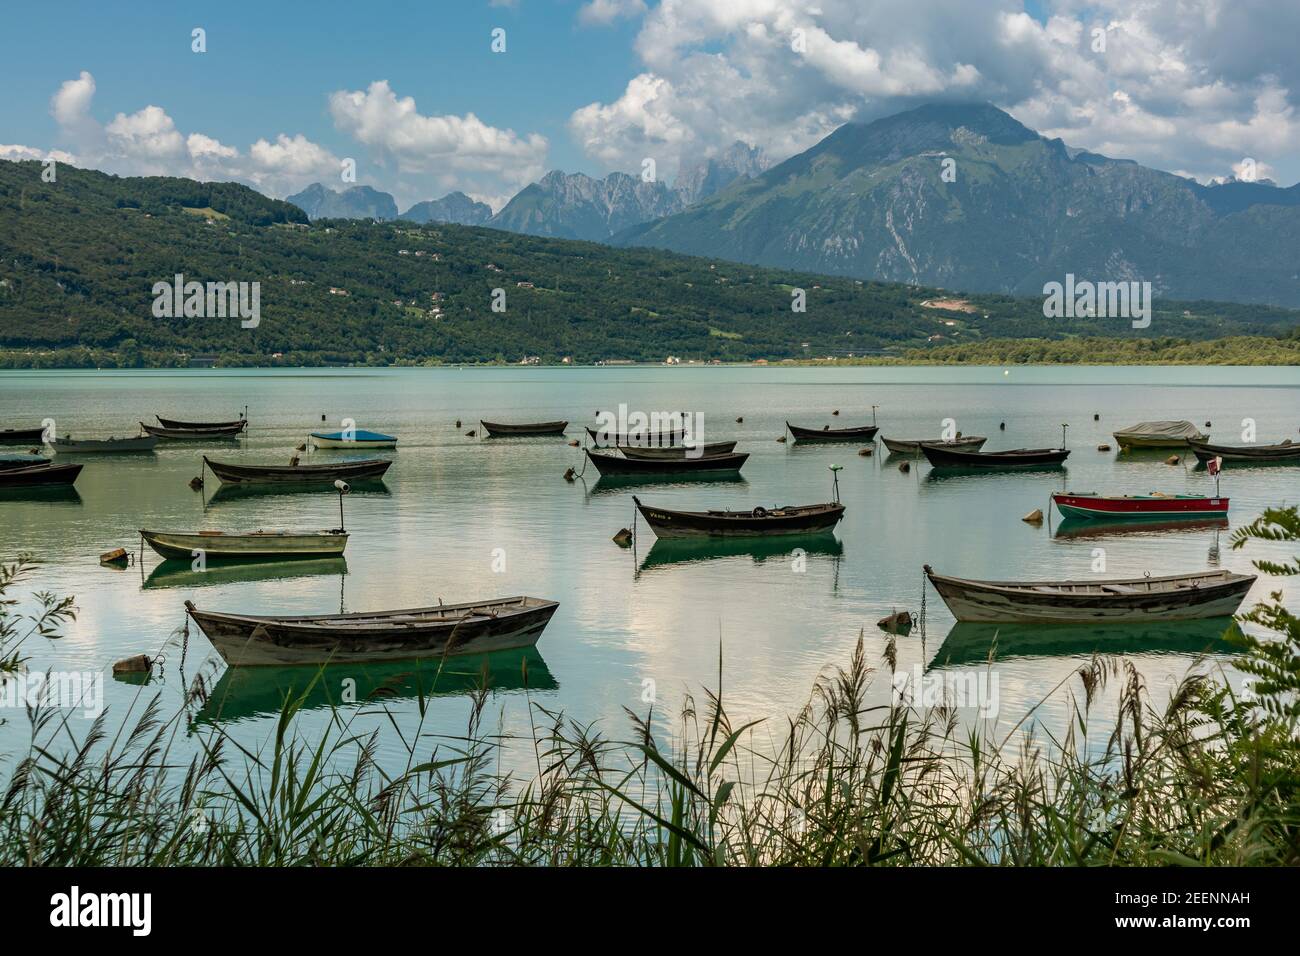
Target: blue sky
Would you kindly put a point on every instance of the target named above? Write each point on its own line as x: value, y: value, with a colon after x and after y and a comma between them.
x: 413, y: 92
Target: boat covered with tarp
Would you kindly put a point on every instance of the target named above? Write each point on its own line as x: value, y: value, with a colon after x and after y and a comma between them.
x: 1159, y: 435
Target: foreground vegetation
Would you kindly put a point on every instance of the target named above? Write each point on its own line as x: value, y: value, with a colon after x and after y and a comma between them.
x: 1211, y: 777
x: 79, y: 258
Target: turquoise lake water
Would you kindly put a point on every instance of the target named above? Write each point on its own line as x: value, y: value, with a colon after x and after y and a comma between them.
x: 460, y: 519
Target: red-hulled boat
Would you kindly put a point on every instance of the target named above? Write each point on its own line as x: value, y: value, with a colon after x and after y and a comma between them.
x: 1092, y: 505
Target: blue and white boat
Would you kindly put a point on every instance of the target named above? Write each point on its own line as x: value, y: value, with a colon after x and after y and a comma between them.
x: 353, y: 438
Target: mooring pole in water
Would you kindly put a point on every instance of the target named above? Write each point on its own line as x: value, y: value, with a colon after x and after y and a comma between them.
x: 835, y: 481
x: 343, y: 489
x: 1064, y: 426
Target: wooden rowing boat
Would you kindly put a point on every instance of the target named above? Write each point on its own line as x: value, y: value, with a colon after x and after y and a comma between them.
x: 247, y: 546
x: 1154, y: 505
x: 679, y: 451
x: 22, y: 436
x: 23, y: 461
x: 105, y: 446
x: 790, y: 519
x: 39, y: 475
x: 907, y: 446
x: 614, y: 465
x: 943, y: 457
x: 1287, y: 451
x: 504, y: 430
x: 240, y: 423
x: 357, y: 438
x: 367, y: 469
x: 1171, y: 598
x: 191, y: 433
x: 855, y: 433
x: 427, y: 632
x: 640, y: 439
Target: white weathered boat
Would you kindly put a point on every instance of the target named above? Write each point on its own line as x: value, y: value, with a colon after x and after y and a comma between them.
x: 420, y: 633
x: 245, y: 546
x: 1174, y: 597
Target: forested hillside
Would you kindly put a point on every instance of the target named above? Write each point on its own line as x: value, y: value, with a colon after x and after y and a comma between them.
x: 79, y: 258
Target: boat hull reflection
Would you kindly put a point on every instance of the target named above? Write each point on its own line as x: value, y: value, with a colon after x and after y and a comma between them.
x: 255, y: 692
x: 972, y: 643
x: 1093, y: 528
x: 175, y: 573
x: 666, y: 552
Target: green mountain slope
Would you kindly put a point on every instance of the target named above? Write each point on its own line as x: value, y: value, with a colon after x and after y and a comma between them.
x: 79, y: 259
x: 1015, y: 211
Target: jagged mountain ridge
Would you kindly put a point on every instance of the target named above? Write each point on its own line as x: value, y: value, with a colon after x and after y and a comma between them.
x: 871, y: 201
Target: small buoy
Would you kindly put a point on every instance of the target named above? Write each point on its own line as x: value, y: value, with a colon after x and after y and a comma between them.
x: 899, y: 622
x: 740, y: 419
x: 568, y: 474
x: 133, y: 665
x: 836, y: 412
x: 1208, y: 425
x: 117, y: 556
x: 1002, y: 426
x: 1034, y: 517
x: 866, y: 452
x: 905, y: 467
x: 1096, y: 417
x: 573, y: 443
x: 1172, y: 460
x: 781, y: 439
x: 1103, y: 447
x: 470, y: 434
x: 322, y: 418
x: 624, y: 538
x: 458, y: 423
x: 197, y: 482
x: 302, y: 447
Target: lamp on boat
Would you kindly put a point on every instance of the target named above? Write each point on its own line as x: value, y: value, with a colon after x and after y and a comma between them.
x: 343, y: 488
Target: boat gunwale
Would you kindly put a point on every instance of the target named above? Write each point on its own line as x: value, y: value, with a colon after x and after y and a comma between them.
x: 1227, y: 578
x: 351, y: 619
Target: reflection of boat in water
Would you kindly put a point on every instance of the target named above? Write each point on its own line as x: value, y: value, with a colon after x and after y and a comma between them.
x: 43, y: 493
x: 670, y: 551
x: 240, y: 492
x: 618, y: 483
x: 971, y: 643
x: 1090, y: 528
x: 261, y: 691
x: 180, y: 574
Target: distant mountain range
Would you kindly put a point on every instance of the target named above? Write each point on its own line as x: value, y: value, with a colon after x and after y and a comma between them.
x: 578, y: 206
x: 454, y: 208
x: 564, y: 205
x: 963, y: 196
x: 356, y: 202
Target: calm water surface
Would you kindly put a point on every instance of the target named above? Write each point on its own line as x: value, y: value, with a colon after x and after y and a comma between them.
x: 460, y: 519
